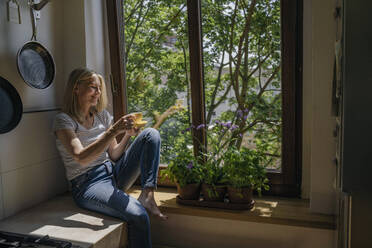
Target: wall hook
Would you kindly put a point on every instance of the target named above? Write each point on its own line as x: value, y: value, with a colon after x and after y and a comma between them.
x: 40, y: 5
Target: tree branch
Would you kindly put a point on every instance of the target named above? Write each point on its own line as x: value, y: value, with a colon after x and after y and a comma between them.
x: 268, y: 81
x: 250, y: 107
x: 138, y: 24
x: 140, y: 3
x: 217, y: 84
x: 245, y: 70
x: 187, y: 81
x: 235, y: 87
x: 242, y: 38
x: 224, y: 95
x: 160, y: 35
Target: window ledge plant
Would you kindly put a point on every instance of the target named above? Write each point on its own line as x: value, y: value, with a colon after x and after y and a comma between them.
x: 244, y: 173
x: 185, y: 171
x: 225, y: 166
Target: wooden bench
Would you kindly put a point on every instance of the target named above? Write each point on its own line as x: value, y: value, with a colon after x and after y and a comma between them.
x: 60, y: 218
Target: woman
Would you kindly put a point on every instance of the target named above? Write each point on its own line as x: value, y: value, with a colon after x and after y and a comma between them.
x: 86, y: 141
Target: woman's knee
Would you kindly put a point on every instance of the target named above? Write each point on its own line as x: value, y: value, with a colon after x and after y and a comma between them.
x: 152, y: 135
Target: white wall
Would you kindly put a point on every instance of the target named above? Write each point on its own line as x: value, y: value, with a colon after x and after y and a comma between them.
x: 200, y: 232
x: 30, y: 169
x: 319, y: 171
x: 86, y: 38
x: 97, y: 36
x: 72, y: 30
x: 73, y: 35
x: 97, y: 43
x: 14, y: 36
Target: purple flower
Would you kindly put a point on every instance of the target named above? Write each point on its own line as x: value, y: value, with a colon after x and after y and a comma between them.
x: 189, y: 166
x: 200, y: 126
x: 240, y: 113
x: 217, y: 122
x: 245, y: 117
x: 186, y: 130
x: 241, y: 135
x: 227, y: 124
x: 245, y: 110
x: 233, y: 127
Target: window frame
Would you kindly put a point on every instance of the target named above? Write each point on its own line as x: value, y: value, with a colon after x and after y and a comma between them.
x: 288, y: 182
x: 284, y: 183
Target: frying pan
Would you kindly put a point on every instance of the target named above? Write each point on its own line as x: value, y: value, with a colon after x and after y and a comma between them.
x: 34, y: 62
x: 35, y: 65
x: 10, y: 106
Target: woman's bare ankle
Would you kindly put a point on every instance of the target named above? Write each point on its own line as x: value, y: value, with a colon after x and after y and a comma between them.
x: 147, y: 199
x: 147, y: 193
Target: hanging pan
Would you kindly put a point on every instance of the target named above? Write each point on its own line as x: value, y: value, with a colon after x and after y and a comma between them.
x: 10, y: 106
x: 35, y: 64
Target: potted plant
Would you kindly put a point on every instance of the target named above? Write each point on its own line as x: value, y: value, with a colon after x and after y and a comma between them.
x: 244, y: 173
x: 185, y: 171
x: 225, y: 162
x: 214, y: 179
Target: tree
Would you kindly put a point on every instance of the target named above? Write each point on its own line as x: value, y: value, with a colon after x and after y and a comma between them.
x: 241, y: 53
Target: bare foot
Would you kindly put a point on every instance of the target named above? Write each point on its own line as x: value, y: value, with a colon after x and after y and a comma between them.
x: 147, y: 200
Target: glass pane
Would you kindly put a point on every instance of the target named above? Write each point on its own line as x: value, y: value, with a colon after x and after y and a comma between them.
x: 242, y: 57
x: 157, y: 68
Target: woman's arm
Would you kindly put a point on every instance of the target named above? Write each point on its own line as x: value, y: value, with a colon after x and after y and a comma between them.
x: 115, y: 150
x: 85, y: 155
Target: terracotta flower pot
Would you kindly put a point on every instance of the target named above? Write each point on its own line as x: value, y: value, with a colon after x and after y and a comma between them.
x: 239, y: 195
x: 213, y: 193
x: 189, y: 191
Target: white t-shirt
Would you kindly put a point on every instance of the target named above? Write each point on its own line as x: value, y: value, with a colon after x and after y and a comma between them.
x: 102, y: 121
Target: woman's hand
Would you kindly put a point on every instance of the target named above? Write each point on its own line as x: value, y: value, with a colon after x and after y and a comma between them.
x: 124, y: 124
x: 116, y: 150
x: 133, y: 132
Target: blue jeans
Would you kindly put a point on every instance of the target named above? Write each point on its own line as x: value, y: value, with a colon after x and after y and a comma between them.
x: 101, y: 189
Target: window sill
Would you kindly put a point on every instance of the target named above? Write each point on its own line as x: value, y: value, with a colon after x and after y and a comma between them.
x: 273, y: 210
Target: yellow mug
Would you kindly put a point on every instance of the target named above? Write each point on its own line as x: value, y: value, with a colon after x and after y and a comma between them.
x: 138, y: 122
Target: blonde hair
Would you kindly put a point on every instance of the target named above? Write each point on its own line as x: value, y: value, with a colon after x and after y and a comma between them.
x: 71, y: 105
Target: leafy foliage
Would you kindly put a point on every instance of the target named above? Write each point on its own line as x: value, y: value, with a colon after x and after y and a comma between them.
x: 241, y: 55
x: 183, y: 168
x: 226, y: 164
x: 243, y: 169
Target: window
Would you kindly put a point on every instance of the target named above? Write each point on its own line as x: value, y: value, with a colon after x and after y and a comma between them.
x: 242, y: 77
x: 157, y: 66
x: 167, y: 47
